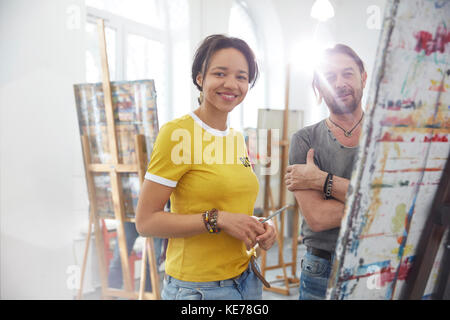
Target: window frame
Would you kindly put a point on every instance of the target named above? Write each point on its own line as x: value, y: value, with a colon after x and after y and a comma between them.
x: 260, y: 40
x: 125, y: 26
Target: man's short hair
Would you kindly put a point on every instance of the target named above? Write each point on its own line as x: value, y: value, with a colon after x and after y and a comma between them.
x: 338, y: 48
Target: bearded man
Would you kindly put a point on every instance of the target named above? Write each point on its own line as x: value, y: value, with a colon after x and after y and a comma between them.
x: 321, y: 160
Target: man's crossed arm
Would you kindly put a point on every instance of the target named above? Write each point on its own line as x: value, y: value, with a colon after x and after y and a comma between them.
x: 306, y: 181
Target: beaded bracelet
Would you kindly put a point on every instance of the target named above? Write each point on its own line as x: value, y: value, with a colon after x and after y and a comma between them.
x: 210, y: 220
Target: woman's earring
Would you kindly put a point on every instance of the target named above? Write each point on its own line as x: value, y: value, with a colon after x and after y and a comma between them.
x: 200, y: 98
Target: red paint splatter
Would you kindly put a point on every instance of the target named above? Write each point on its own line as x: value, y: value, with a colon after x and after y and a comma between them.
x: 395, y: 121
x: 426, y: 42
x: 436, y: 138
x: 388, y: 138
x: 371, y: 235
x: 413, y: 170
x: 437, y: 88
x: 388, y: 274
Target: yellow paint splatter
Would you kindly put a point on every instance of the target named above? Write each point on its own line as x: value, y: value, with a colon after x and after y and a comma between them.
x: 398, y: 221
x: 397, y: 148
x: 406, y: 251
x: 376, y: 202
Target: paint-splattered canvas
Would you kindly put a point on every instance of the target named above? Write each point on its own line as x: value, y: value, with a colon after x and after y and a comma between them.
x: 134, y: 105
x: 403, y: 151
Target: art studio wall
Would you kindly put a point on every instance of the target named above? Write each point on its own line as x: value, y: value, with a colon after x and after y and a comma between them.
x: 42, y: 197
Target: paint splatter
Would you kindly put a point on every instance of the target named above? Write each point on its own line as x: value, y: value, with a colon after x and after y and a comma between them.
x: 430, y: 44
x: 382, y: 269
x: 436, y: 138
x: 408, y: 249
x: 438, y: 86
x: 403, y: 183
x: 401, y: 104
x: 398, y: 220
x: 387, y: 137
x: 397, y: 122
x: 413, y: 170
x: 381, y: 185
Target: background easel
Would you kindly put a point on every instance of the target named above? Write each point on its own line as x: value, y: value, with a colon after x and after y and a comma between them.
x: 114, y: 168
x: 284, y: 145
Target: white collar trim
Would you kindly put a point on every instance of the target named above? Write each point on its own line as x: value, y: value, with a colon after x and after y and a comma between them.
x: 213, y: 131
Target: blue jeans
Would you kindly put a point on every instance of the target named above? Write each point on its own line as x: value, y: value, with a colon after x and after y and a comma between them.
x: 244, y: 287
x: 314, y: 275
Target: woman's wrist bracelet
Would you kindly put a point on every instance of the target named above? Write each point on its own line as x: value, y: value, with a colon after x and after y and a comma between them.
x: 210, y: 220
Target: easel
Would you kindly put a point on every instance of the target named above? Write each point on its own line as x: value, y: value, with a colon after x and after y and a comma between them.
x: 431, y: 238
x: 284, y: 144
x: 114, y: 169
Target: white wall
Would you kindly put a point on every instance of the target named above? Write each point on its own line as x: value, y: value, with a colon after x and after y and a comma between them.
x: 212, y: 16
x: 207, y: 17
x: 41, y: 170
x: 270, y: 30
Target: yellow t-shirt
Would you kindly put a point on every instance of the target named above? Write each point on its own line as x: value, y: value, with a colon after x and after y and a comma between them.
x: 208, y: 169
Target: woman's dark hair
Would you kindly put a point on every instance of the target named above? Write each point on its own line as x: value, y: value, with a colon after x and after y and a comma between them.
x: 216, y: 42
x: 338, y: 48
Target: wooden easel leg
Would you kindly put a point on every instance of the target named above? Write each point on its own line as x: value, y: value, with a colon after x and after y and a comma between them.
x: 126, y: 275
x: 143, y: 271
x: 85, y: 256
x: 153, y: 267
x: 295, y: 241
x: 101, y: 255
x: 148, y: 258
x: 280, y: 254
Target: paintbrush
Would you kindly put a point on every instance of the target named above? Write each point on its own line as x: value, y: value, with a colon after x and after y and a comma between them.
x: 275, y: 213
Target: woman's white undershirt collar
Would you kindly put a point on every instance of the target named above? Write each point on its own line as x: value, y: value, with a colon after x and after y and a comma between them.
x: 213, y: 131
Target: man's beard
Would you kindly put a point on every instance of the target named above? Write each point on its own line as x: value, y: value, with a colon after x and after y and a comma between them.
x: 339, y: 107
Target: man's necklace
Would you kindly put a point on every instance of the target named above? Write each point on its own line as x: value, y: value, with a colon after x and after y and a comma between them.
x: 349, y: 132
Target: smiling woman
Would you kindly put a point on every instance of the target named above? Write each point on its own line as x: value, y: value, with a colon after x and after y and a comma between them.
x: 207, y: 195
x: 224, y: 85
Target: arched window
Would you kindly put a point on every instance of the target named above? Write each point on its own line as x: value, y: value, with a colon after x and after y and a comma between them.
x: 146, y: 39
x: 242, y: 25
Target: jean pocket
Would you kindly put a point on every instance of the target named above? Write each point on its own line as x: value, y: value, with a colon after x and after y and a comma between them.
x: 314, y: 268
x: 189, y: 294
x: 170, y: 290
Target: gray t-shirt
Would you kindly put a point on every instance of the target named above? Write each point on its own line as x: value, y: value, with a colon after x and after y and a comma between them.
x: 329, y: 156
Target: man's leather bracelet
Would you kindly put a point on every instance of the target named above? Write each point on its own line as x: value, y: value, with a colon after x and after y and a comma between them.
x: 327, y: 186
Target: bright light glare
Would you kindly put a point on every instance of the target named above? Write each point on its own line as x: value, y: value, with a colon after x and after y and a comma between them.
x: 322, y: 10
x: 307, y: 54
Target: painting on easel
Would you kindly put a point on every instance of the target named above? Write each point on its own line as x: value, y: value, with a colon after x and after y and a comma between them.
x: 402, y: 155
x: 134, y: 104
x: 257, y: 148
